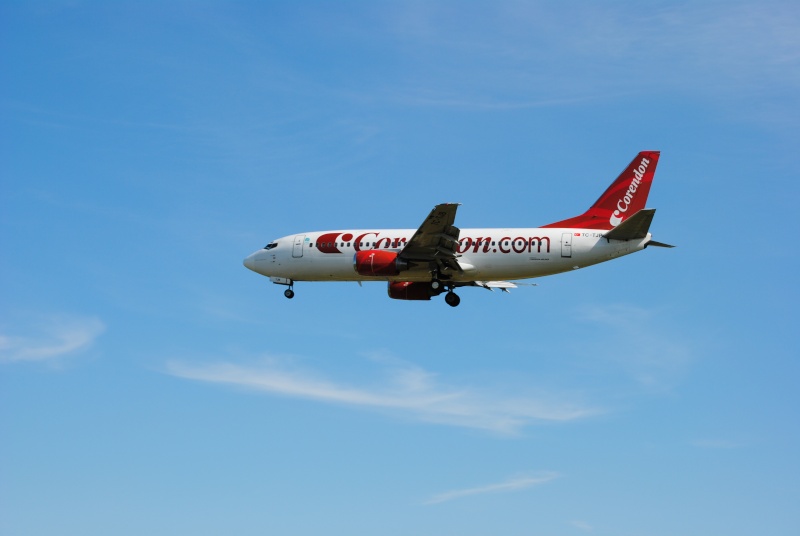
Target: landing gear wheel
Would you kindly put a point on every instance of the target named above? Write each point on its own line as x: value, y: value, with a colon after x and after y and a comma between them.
x: 452, y: 299
x: 289, y: 293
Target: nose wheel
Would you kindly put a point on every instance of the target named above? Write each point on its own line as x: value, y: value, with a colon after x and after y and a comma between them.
x: 289, y: 292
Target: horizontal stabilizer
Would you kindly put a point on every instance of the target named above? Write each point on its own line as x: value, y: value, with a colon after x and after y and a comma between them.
x: 659, y: 244
x: 633, y: 228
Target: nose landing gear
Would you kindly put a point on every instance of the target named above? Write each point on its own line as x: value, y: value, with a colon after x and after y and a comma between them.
x: 289, y: 292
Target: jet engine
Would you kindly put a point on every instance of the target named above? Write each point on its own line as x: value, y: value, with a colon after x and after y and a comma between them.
x: 404, y: 290
x: 375, y: 262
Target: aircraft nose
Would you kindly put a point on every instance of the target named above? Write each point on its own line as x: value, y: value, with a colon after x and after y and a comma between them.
x: 250, y: 262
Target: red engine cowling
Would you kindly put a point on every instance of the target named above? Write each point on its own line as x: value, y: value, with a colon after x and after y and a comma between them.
x: 376, y: 262
x: 403, y: 290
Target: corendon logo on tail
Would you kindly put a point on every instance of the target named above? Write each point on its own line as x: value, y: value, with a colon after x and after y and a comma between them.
x: 625, y: 203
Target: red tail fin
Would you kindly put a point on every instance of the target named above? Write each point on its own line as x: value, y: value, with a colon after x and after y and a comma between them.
x: 625, y: 197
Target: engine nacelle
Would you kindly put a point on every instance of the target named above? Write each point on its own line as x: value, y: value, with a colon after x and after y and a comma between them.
x: 404, y: 290
x: 376, y: 262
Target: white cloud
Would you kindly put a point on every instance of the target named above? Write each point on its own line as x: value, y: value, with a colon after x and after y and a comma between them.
x: 406, y: 390
x: 513, y: 484
x: 520, y: 53
x: 716, y: 444
x: 50, y: 338
x: 654, y: 355
x: 583, y: 525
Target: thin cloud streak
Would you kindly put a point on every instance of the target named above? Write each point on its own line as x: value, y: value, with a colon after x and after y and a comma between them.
x: 55, y: 337
x: 409, y: 391
x: 652, y: 354
x: 514, y: 484
x: 531, y: 53
x: 716, y: 444
x: 583, y: 525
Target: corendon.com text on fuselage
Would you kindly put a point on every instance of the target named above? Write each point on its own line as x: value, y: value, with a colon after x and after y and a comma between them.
x: 331, y: 242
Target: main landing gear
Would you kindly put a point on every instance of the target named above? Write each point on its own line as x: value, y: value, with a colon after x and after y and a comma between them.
x: 452, y: 299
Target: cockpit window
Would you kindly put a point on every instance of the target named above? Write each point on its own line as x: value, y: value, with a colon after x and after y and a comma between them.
x: 271, y: 245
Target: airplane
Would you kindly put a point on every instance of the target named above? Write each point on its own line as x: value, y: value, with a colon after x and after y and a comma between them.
x: 438, y: 257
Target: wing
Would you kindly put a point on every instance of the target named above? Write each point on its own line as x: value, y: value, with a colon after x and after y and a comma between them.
x: 436, y: 240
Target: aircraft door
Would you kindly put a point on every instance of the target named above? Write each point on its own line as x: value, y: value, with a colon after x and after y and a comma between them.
x: 566, y: 245
x: 297, y: 251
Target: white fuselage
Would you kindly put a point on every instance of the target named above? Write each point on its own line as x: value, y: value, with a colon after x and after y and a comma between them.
x: 483, y: 254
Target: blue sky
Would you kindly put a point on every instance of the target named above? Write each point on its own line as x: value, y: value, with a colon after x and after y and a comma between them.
x: 149, y: 383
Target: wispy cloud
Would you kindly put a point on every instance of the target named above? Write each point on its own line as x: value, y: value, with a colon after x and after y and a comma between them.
x: 519, y: 53
x: 629, y: 336
x: 405, y: 389
x: 50, y: 338
x: 716, y: 444
x: 583, y: 525
x: 512, y: 484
